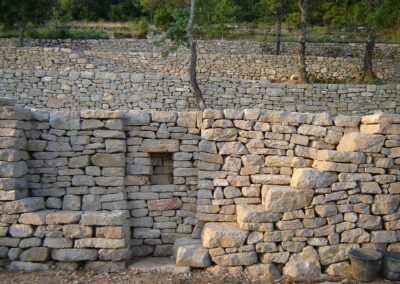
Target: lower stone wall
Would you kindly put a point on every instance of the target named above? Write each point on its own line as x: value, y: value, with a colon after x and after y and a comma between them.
x: 52, y: 91
x: 283, y: 192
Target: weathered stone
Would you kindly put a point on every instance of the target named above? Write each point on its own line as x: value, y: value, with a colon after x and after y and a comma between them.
x: 341, y: 269
x: 21, y: 231
x: 219, y: 134
x: 28, y: 266
x: 355, y: 236
x: 103, y: 218
x: 136, y: 118
x: 227, y: 148
x: 334, y: 167
x: 385, y: 204
x: 35, y: 254
x: 335, y: 253
x: 164, y: 204
x: 305, y: 263
x: 311, y: 178
x: 160, y: 145
x: 326, y: 210
x: 23, y: 205
x: 275, y: 257
x: 63, y: 217
x: 282, y: 161
x: 77, y: 231
x: 271, y: 179
x: 99, y: 243
x: 255, y: 214
x: 34, y: 218
x: 384, y: 237
x: 360, y: 142
x: 74, y: 254
x: 13, y: 169
x: 285, y: 199
x: 341, y: 156
x: 223, y: 235
x: 193, y: 256
x: 242, y: 258
x: 65, y: 120
x: 264, y: 270
x: 109, y: 160
x: 370, y: 187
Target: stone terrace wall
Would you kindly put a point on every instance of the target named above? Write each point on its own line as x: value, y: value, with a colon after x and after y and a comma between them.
x: 296, y: 191
x: 51, y: 90
x: 388, y: 51
x: 213, y: 64
x: 93, y: 188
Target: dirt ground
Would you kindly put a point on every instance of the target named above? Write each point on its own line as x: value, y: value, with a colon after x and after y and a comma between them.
x: 126, y: 276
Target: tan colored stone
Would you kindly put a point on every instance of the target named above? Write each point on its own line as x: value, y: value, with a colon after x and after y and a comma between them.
x: 223, y: 235
x: 360, y: 142
x: 285, y: 199
x: 311, y: 178
x: 159, y: 145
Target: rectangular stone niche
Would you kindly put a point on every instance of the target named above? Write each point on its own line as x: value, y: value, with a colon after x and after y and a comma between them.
x: 162, y: 168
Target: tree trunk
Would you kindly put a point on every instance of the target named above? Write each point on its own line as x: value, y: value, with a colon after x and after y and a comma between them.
x: 301, y: 48
x: 22, y: 34
x: 367, y: 72
x: 279, y: 16
x: 193, y: 58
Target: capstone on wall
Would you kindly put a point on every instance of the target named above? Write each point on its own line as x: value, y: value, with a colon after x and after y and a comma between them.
x: 292, y: 192
x: 71, y: 90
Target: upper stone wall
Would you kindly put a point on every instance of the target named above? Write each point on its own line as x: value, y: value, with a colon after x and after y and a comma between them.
x: 51, y: 90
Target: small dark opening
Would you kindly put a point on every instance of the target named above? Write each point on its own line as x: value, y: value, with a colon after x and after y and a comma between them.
x: 162, y: 168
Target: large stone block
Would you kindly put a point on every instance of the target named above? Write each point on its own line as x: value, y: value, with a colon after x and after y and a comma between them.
x: 305, y: 263
x: 235, y: 259
x: 109, y: 160
x: 63, y: 217
x: 164, y: 204
x: 219, y: 134
x: 335, y: 167
x: 194, y: 255
x: 65, y: 120
x: 385, y: 204
x: 223, y: 234
x: 341, y: 156
x: 312, y: 178
x: 100, y: 243
x: 360, y: 142
x: 255, y: 214
x: 136, y: 118
x: 159, y: 145
x: 335, y: 253
x: 103, y: 218
x: 35, y: 254
x: 13, y: 169
x: 227, y: 148
x: 286, y: 199
x: 23, y: 205
x: 74, y: 254
x: 282, y: 161
x: 271, y: 179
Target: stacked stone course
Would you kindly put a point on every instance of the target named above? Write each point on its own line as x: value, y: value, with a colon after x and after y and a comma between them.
x: 266, y: 191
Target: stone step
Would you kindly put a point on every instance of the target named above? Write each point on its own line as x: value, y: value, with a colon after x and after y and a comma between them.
x: 190, y: 252
x: 183, y: 242
x: 255, y: 217
x: 157, y: 264
x: 285, y: 198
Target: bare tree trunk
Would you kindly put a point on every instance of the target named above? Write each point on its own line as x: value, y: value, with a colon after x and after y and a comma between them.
x: 193, y: 58
x: 301, y: 48
x: 279, y: 17
x: 22, y: 33
x: 367, y: 72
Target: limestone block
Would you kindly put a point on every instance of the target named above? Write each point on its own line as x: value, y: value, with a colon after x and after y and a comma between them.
x: 65, y: 120
x: 13, y: 169
x: 109, y: 181
x: 369, y: 222
x: 34, y: 218
x: 105, y: 266
x: 159, y: 145
x: 311, y: 130
x: 384, y: 237
x: 342, y: 269
x: 360, y: 142
x: 311, y: 178
x: 28, y: 266
x: 286, y: 199
x: 99, y: 243
x: 79, y: 162
x: 354, y: 177
x: 355, y: 236
x: 103, y: 218
x: 109, y: 160
x: 385, y: 204
x: 282, y: 161
x: 266, y: 247
x: 234, y: 259
x: 163, y: 116
x: 57, y: 243
x: 239, y: 180
x: 63, y: 217
x: 370, y: 187
x: 164, y: 204
x: 227, y: 148
x: 35, y: 254
x: 113, y: 254
x: 187, y: 119
x: 335, y: 253
x: 275, y: 257
x: 271, y: 179
x: 11, y: 155
x: 74, y: 254
x: 219, y: 134
x: 13, y: 143
x: 335, y: 167
x: 136, y: 118
x: 77, y: 231
x: 21, y: 231
x: 193, y: 255
x: 341, y: 156
x: 305, y: 263
x: 255, y: 214
x: 347, y: 121
x: 223, y: 234
x: 264, y: 270
x: 24, y: 205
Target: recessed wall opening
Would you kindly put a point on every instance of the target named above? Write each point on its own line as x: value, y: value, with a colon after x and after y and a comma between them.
x: 162, y: 168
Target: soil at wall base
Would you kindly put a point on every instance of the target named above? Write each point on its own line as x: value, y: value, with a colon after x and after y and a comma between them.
x: 128, y: 277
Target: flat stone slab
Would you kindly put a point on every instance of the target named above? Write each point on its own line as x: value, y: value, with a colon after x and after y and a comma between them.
x: 158, y: 264
x: 285, y: 198
x: 223, y: 234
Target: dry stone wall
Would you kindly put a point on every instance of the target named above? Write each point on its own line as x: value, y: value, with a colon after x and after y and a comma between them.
x: 266, y: 191
x: 253, y: 66
x: 51, y: 91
